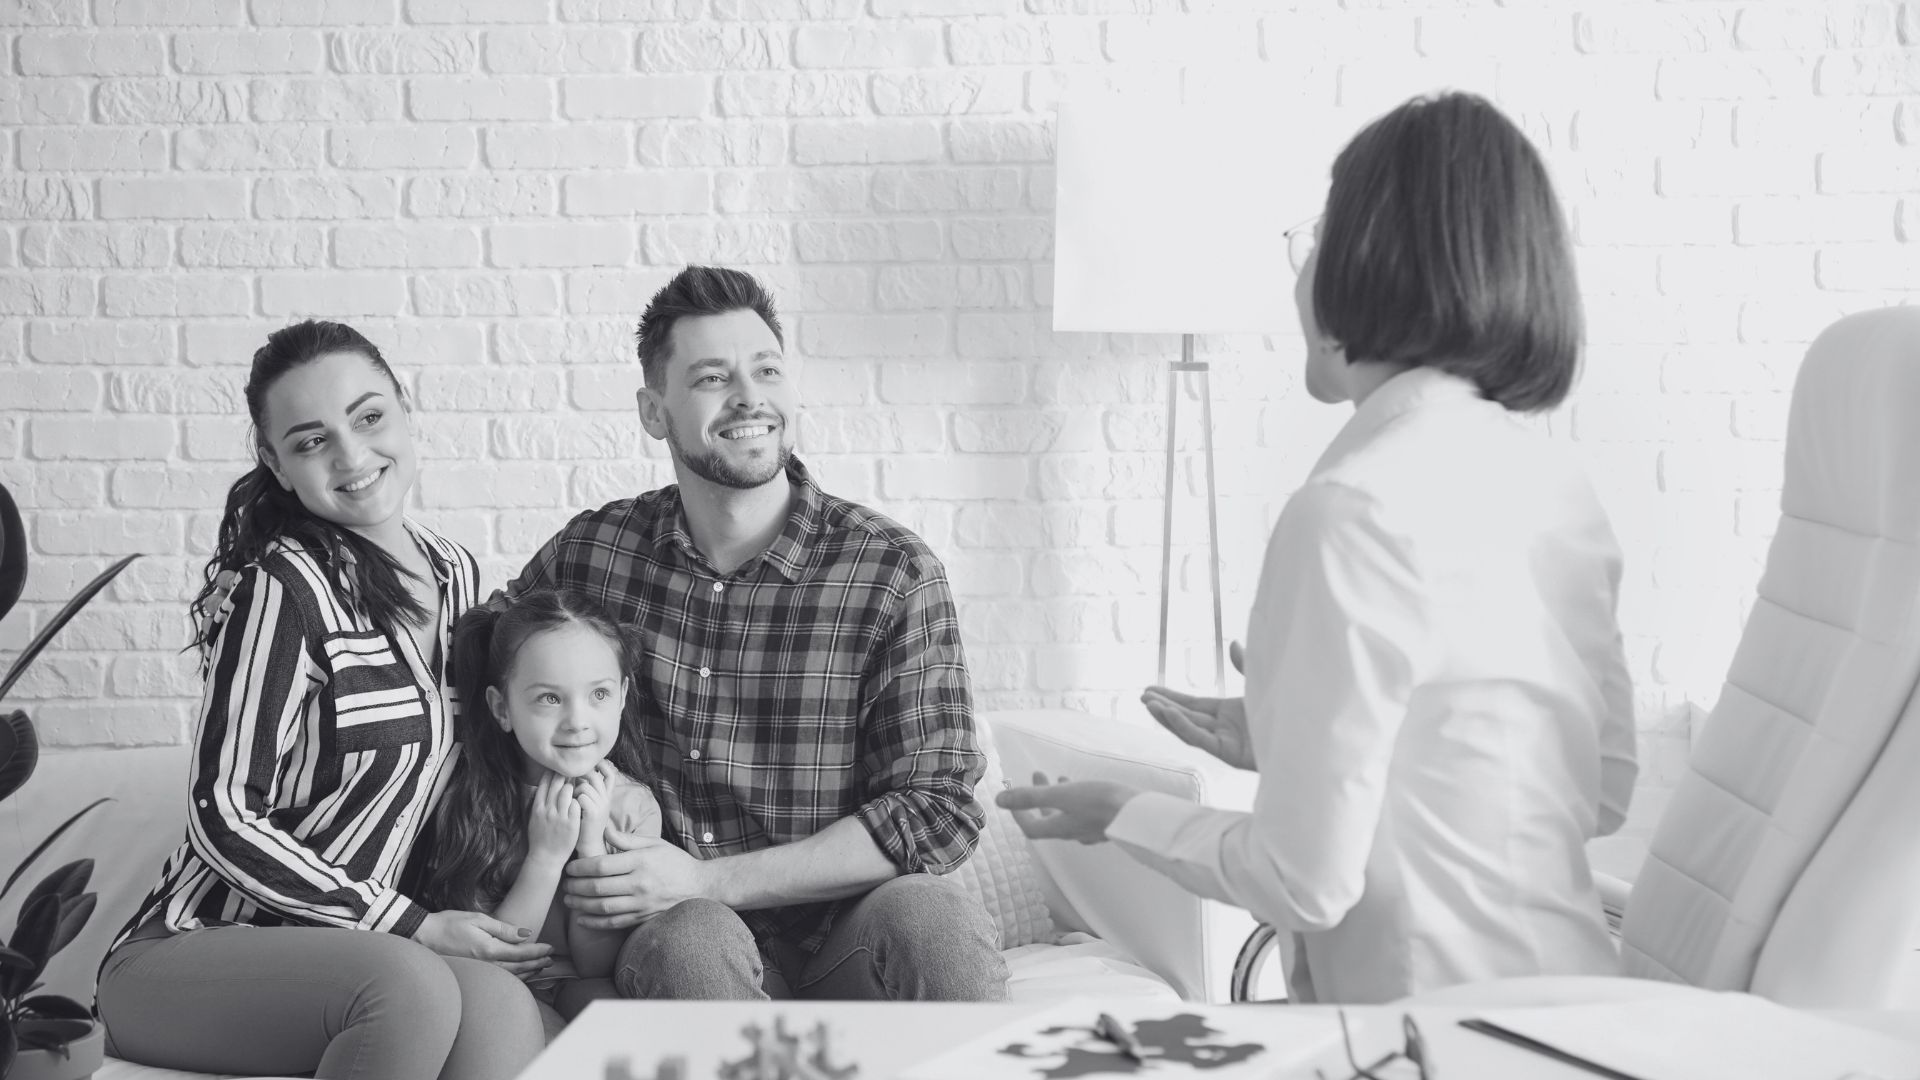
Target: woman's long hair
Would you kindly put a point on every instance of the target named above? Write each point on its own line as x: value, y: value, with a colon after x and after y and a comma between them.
x: 482, y: 828
x: 260, y: 512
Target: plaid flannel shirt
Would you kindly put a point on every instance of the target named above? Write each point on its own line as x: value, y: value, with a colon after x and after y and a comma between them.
x: 820, y: 680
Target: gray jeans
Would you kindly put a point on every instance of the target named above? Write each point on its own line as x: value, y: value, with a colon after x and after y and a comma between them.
x: 341, y: 1004
x: 914, y: 938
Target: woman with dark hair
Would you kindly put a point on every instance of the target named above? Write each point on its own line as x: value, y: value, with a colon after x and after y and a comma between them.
x: 284, y: 936
x: 1437, y: 700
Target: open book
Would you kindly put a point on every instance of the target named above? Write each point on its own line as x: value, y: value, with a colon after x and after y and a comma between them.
x: 1173, y: 1039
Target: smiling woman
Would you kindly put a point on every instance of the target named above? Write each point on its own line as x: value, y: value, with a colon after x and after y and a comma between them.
x: 322, y: 745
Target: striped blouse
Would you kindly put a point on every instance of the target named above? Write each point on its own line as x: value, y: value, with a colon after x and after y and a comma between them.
x: 322, y: 746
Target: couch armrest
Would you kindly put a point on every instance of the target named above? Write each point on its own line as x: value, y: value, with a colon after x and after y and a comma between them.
x: 1184, y: 939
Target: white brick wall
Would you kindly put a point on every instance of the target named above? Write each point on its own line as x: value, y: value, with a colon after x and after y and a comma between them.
x: 492, y: 188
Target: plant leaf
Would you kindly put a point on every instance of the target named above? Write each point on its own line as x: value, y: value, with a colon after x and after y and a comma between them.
x: 38, y: 921
x: 52, y: 1035
x: 56, y: 1007
x: 13, y: 958
x: 73, y: 919
x: 67, y: 882
x: 19, y: 751
x: 13, y: 560
x: 48, y: 842
x: 9, y: 1046
x: 59, y: 621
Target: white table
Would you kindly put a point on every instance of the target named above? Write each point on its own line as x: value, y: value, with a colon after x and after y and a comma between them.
x: 885, y: 1037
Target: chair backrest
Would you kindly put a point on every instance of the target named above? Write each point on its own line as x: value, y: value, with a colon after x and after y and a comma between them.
x: 1805, y: 744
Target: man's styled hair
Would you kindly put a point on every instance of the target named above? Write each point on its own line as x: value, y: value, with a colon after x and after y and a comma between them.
x: 698, y: 290
x: 1443, y: 245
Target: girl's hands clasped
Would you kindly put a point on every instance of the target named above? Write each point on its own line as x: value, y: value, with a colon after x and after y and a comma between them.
x: 593, y: 793
x: 553, y: 823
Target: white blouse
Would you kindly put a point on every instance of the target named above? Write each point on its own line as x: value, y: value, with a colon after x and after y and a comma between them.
x: 1439, y: 707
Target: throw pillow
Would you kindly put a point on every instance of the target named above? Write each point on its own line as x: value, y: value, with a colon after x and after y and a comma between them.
x: 1000, y: 872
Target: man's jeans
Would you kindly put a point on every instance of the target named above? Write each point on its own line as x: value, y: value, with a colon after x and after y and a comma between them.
x: 915, y: 938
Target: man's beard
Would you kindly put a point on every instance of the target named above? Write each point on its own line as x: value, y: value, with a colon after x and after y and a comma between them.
x: 711, y: 466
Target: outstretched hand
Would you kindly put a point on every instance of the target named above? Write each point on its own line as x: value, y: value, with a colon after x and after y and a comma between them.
x: 1071, y: 810
x: 1216, y: 725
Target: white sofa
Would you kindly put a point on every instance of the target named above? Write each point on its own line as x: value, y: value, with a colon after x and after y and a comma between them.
x: 1117, y: 928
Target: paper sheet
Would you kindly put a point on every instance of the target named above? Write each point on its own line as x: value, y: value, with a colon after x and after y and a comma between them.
x: 1713, y: 1037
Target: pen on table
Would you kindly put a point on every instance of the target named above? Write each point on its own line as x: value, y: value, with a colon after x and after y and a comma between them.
x: 1116, y: 1033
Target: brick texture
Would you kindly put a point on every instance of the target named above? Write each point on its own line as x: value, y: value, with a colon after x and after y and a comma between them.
x: 492, y: 188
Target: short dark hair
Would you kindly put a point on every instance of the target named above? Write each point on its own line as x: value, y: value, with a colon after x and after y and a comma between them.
x: 698, y: 290
x: 1443, y: 245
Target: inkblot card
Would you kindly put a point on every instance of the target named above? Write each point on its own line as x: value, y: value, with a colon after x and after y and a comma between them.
x: 1100, y: 1039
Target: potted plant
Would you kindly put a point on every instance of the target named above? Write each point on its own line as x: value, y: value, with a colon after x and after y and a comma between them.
x: 42, y: 1036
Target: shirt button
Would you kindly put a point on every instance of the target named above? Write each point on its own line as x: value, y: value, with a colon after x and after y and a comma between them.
x: 694, y: 754
x: 718, y: 587
x: 706, y: 838
x: 203, y: 804
x: 704, y: 672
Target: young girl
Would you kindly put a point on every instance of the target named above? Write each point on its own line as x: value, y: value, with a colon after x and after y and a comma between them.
x: 550, y: 766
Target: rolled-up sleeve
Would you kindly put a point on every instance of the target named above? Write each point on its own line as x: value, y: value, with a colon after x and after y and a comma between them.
x: 261, y: 676
x: 919, y: 757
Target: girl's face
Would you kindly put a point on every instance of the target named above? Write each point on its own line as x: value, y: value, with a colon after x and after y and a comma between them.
x: 339, y: 439
x: 561, y: 700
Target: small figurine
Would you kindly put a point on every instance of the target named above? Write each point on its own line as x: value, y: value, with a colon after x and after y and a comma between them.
x: 780, y: 1055
x: 670, y: 1068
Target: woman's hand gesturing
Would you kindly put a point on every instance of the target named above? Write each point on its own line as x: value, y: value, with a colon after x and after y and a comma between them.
x: 553, y: 824
x: 1216, y: 725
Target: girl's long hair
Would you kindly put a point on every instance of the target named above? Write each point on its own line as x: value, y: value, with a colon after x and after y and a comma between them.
x: 260, y: 512
x: 482, y: 827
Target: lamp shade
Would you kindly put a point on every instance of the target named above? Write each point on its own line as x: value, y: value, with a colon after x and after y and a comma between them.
x: 1171, y: 216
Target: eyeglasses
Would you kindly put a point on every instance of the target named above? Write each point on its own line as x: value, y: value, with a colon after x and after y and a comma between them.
x: 1414, y: 1049
x: 1300, y: 241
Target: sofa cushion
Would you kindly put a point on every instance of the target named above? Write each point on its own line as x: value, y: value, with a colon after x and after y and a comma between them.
x: 1000, y: 872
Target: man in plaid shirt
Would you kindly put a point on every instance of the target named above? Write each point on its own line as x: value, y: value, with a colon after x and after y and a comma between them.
x: 803, y: 695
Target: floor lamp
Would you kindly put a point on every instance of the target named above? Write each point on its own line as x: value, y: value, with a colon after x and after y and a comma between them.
x: 1170, y: 219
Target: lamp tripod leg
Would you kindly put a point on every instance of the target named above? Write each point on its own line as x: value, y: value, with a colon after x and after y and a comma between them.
x: 1166, y: 524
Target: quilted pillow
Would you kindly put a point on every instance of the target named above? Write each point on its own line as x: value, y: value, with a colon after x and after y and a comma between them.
x: 1000, y: 872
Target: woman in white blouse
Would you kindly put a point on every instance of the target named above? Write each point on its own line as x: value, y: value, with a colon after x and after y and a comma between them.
x: 1436, y: 698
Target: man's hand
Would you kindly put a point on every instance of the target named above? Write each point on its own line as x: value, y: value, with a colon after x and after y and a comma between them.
x: 644, y: 877
x: 483, y: 937
x: 1072, y: 810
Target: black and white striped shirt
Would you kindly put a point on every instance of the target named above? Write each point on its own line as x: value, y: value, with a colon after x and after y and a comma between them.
x: 321, y: 748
